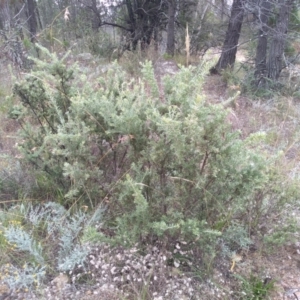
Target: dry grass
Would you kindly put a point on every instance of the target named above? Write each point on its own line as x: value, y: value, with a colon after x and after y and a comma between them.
x: 278, y: 119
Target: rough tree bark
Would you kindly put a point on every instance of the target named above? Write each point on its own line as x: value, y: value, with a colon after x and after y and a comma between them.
x: 96, y: 21
x: 227, y: 58
x: 132, y: 23
x: 38, y: 15
x: 32, y: 19
x: 279, y: 38
x: 171, y: 27
x: 264, y: 11
x: 223, y: 5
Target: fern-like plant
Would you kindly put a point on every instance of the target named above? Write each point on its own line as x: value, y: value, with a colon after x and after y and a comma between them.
x: 48, y: 241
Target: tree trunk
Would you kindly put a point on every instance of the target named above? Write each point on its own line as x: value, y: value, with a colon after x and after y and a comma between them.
x: 262, y: 44
x: 32, y: 19
x: 96, y: 21
x: 279, y: 40
x: 18, y: 20
x: 39, y: 18
x: 155, y: 38
x: 171, y: 27
x: 132, y: 23
x: 229, y: 49
x: 223, y: 5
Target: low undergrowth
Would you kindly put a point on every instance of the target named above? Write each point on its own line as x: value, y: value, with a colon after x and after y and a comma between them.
x: 123, y: 168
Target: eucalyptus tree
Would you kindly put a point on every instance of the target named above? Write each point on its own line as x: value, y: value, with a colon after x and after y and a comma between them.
x: 271, y: 21
x: 12, y: 12
x: 230, y: 46
x: 279, y: 38
x: 32, y: 19
x: 13, y: 20
x: 263, y: 15
x: 141, y: 21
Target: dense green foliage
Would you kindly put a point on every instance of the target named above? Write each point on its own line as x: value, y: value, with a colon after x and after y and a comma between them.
x: 163, y: 162
x: 164, y: 166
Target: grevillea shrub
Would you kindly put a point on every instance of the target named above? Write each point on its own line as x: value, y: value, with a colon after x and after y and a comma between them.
x: 163, y: 161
